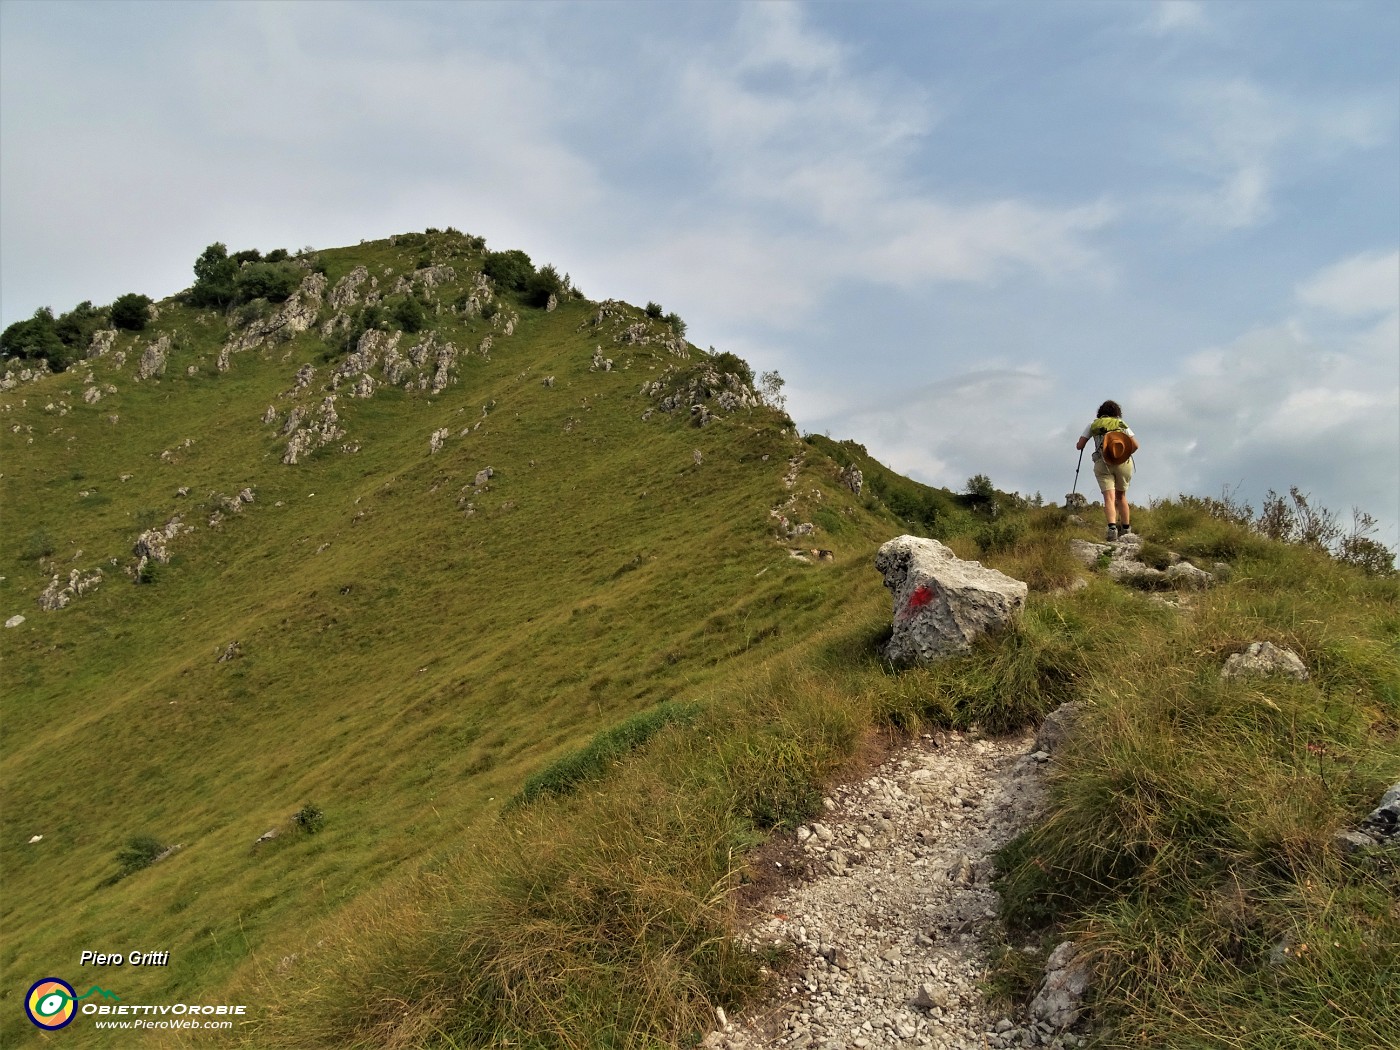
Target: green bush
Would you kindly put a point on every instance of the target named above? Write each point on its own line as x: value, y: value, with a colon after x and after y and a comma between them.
x: 273, y: 281
x: 131, y: 312
x: 511, y: 270
x: 39, y: 545
x: 999, y: 536
x: 35, y: 339
x: 309, y: 818
x: 77, y: 326
x: 540, y: 286
x: 409, y: 314
x: 139, y: 852
x: 733, y: 364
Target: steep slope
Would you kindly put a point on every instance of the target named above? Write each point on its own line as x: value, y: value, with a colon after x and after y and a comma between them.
x: 305, y: 561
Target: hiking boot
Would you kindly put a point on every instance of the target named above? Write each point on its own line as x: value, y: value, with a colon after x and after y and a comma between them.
x: 1124, y: 529
x: 1112, y: 534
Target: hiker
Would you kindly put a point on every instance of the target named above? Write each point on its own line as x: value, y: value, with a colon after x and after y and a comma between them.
x: 1114, y: 469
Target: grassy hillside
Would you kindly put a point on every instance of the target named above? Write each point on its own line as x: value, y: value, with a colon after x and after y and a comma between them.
x: 407, y: 645
x: 517, y: 732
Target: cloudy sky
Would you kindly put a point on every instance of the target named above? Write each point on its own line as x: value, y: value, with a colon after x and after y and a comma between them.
x: 953, y: 227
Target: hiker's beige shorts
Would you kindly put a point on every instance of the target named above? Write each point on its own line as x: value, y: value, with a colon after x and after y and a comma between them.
x: 1112, y: 478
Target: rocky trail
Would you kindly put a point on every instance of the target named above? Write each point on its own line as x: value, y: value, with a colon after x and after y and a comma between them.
x: 887, y: 906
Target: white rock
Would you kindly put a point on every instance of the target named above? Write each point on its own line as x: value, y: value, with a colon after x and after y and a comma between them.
x: 941, y: 603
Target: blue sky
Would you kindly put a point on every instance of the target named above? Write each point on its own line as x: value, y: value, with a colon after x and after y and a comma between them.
x: 954, y: 228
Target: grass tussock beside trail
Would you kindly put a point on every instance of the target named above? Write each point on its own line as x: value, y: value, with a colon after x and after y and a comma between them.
x: 1189, y: 842
x: 603, y: 918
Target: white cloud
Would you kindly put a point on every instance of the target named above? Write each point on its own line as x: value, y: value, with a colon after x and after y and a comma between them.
x: 1237, y: 142
x: 1361, y: 286
x: 1177, y: 16
x: 797, y: 139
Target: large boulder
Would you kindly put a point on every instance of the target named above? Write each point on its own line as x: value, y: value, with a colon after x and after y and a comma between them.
x: 941, y: 603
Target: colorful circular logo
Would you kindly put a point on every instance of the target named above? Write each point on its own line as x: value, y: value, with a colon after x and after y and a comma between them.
x: 51, y: 1003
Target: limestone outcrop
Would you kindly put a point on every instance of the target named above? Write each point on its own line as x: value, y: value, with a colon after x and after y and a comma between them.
x: 59, y: 593
x: 153, y: 359
x: 941, y: 602
x: 1126, y: 565
x: 297, y: 314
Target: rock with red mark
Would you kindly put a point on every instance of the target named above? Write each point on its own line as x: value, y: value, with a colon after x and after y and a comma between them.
x: 941, y: 603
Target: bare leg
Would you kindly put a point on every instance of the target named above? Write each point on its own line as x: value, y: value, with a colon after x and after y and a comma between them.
x: 1122, y: 508
x: 1110, y: 505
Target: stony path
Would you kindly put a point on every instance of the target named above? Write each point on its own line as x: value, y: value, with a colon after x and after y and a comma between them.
x: 890, y: 919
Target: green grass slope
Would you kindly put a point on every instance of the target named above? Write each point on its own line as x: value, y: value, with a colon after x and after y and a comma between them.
x: 411, y: 646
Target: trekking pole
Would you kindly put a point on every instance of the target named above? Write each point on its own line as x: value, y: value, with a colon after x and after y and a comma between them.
x: 1074, y: 489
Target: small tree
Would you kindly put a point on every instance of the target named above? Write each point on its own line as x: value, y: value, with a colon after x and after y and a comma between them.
x: 273, y: 281
x: 36, y: 338
x: 131, y: 312
x: 981, y: 495
x: 510, y: 270
x: 540, y: 286
x: 409, y: 314
x: 215, y: 275
x: 770, y: 389
x: 77, y: 326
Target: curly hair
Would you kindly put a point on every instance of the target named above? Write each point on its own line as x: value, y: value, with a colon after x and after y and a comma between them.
x: 1111, y: 408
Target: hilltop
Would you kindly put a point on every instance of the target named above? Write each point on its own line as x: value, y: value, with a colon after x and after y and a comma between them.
x: 417, y: 650
x: 376, y: 544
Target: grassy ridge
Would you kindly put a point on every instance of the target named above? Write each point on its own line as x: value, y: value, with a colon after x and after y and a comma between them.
x: 404, y: 666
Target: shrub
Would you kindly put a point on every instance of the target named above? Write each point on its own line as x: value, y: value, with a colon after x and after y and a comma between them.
x: 131, y: 312
x: 511, y: 270
x: 309, y: 818
x: 36, y: 338
x: 39, y: 545
x: 408, y: 313
x: 677, y: 325
x: 540, y: 286
x: 77, y: 326
x: 981, y: 495
x: 733, y: 364
x: 999, y: 536
x: 273, y: 281
x: 139, y: 852
x: 654, y: 311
